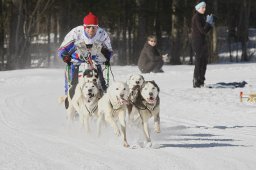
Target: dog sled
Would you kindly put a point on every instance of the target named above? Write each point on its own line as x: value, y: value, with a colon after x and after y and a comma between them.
x: 87, y: 62
x: 250, y: 97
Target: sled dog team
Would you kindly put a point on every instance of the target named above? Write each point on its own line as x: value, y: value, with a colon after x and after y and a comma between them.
x: 137, y: 97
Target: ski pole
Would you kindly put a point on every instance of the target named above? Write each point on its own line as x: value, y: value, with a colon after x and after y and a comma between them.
x: 68, y: 73
x: 108, y: 75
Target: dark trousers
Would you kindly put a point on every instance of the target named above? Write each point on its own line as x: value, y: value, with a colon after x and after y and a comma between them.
x: 73, y: 73
x: 158, y: 66
x: 103, y: 84
x: 201, y: 60
x: 153, y: 67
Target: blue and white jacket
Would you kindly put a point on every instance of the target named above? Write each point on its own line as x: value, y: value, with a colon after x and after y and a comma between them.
x: 78, y: 35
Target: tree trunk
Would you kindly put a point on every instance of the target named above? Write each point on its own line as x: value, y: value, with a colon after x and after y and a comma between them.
x: 12, y: 37
x: 158, y: 24
x: 55, y: 40
x: 243, y: 27
x: 1, y: 37
x: 214, y: 35
x: 129, y: 56
x: 65, y: 19
x: 141, y: 30
x: 49, y: 39
x: 175, y: 35
x: 125, y: 59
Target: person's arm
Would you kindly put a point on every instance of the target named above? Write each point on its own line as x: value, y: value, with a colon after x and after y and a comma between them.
x: 203, y: 28
x: 66, y: 52
x: 67, y: 47
x: 106, y: 49
x: 153, y: 54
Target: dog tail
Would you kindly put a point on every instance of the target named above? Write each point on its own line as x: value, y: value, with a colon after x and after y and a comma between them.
x: 61, y: 99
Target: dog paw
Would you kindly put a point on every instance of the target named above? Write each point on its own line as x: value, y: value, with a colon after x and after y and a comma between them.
x: 157, y: 128
x: 147, y: 144
x: 126, y: 145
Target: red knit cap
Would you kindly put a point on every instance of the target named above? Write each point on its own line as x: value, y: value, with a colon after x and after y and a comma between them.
x: 90, y: 19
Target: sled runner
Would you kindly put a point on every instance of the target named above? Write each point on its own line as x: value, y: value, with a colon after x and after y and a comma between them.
x: 251, y: 97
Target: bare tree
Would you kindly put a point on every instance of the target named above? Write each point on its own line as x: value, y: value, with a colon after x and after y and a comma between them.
x: 1, y: 36
x: 25, y: 15
x: 175, y: 34
x: 214, y: 34
x: 243, y: 27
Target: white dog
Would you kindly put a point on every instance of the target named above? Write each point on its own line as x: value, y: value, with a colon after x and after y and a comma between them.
x: 88, y: 103
x: 112, y: 106
x: 148, y: 105
x: 82, y: 98
x: 134, y: 82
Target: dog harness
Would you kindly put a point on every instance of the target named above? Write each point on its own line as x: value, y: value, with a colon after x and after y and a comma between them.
x: 150, y: 107
x: 92, y: 110
x: 116, y: 105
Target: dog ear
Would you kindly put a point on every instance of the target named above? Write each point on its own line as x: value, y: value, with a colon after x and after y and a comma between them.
x: 128, y: 80
x: 142, y: 78
x: 95, y: 70
x: 100, y: 93
x: 95, y: 83
x: 154, y: 83
x: 86, y: 72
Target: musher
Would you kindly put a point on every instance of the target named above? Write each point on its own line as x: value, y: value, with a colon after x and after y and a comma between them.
x: 90, y: 34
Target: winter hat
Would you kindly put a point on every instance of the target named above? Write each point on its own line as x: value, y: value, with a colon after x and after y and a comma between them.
x: 90, y: 19
x: 200, y: 4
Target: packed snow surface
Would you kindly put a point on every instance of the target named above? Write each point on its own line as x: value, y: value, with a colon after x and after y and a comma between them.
x: 201, y: 128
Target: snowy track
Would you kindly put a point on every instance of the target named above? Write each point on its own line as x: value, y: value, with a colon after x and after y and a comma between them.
x: 200, y: 128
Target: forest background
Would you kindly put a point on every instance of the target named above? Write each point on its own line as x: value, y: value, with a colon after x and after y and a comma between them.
x: 32, y: 30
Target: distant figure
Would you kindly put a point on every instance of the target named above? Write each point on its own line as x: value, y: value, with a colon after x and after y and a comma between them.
x: 201, y: 25
x: 150, y: 59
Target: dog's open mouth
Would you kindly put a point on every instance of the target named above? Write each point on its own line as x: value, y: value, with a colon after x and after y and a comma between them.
x: 136, y: 86
x: 151, y: 100
x: 90, y: 95
x: 123, y: 100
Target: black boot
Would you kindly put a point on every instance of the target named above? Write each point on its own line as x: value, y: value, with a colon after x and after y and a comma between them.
x: 196, y: 83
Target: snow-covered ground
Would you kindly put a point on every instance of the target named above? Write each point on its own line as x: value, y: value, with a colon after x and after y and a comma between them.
x: 200, y: 128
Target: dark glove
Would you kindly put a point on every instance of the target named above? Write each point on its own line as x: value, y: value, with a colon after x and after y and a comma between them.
x: 67, y: 59
x: 107, y: 63
x: 106, y: 53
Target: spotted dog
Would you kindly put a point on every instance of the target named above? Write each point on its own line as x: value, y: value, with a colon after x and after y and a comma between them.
x: 148, y: 105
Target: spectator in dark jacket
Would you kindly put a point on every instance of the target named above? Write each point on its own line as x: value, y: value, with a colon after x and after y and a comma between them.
x: 201, y: 25
x: 150, y: 59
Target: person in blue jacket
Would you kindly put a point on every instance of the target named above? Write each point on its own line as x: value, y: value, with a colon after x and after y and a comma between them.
x: 90, y: 36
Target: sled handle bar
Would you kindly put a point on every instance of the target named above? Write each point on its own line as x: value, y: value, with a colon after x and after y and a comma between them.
x: 79, y: 62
